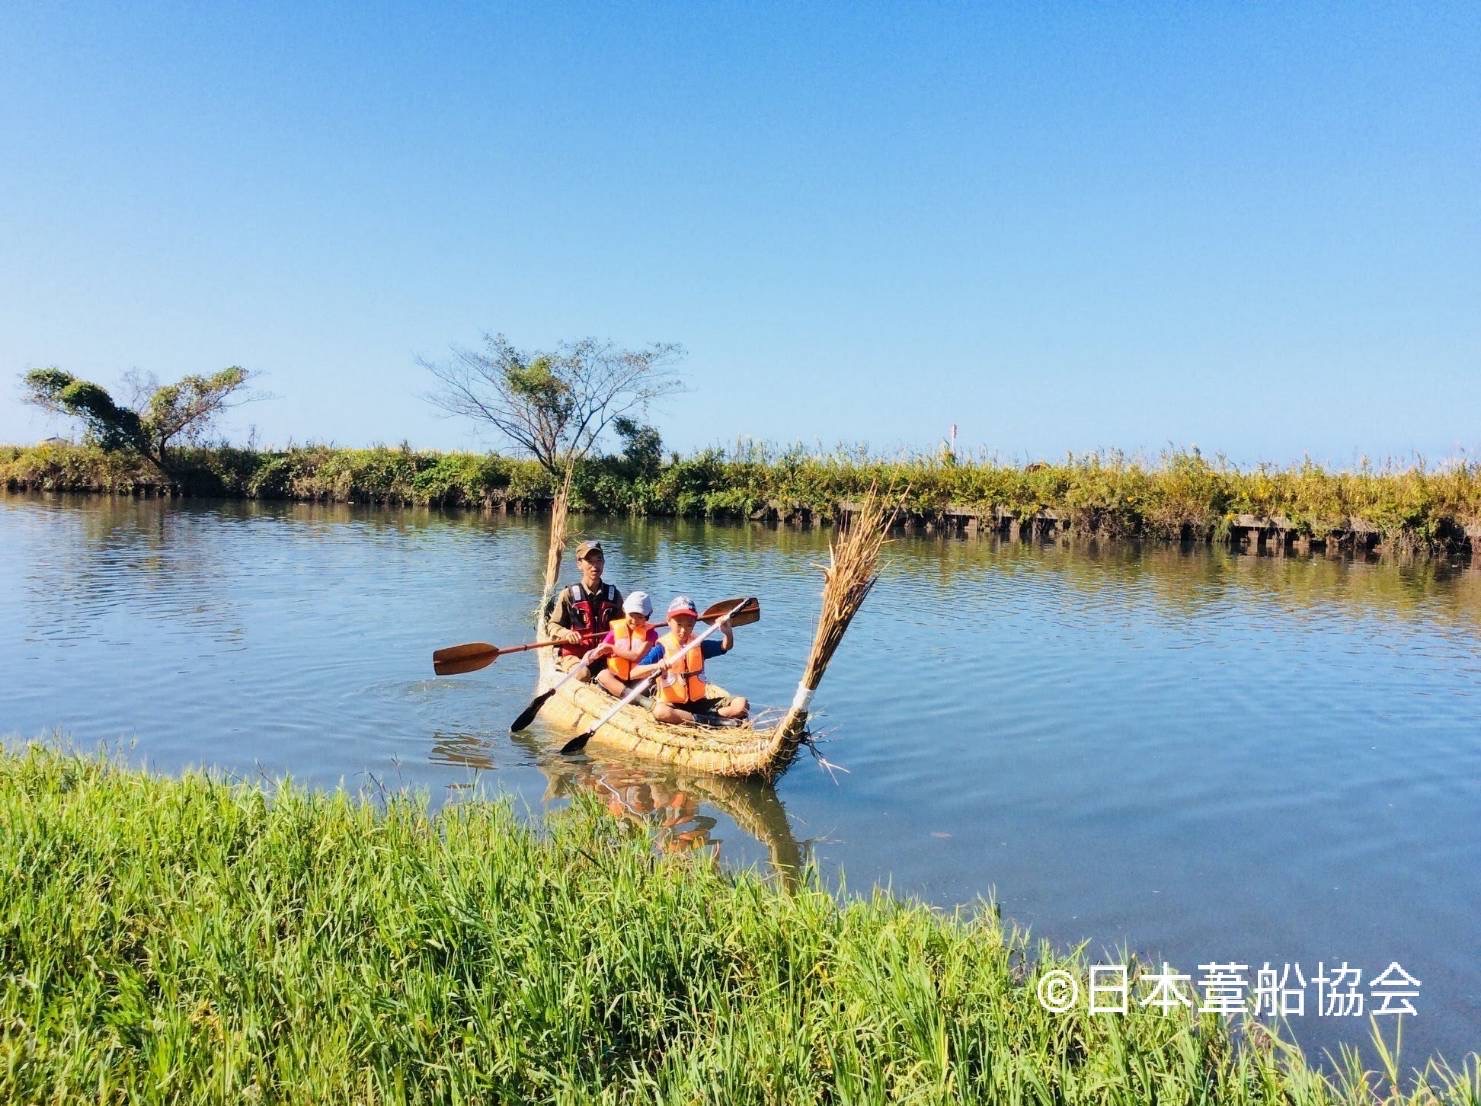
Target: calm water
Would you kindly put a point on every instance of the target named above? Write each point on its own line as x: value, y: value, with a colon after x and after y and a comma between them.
x: 1200, y: 756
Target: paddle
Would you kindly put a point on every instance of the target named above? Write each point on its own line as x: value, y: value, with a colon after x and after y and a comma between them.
x: 457, y: 659
x: 738, y: 612
x: 527, y: 715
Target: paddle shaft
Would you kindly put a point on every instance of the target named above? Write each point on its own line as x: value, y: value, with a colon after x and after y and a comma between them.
x: 552, y: 641
x: 527, y: 715
x: 474, y: 655
x: 571, y: 675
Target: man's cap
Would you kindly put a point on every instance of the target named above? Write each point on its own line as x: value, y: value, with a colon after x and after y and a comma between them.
x: 682, y: 605
x: 638, y: 602
x: 586, y: 548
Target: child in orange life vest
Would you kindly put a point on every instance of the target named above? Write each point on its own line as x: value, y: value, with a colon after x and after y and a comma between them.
x: 683, y: 693
x: 629, y: 638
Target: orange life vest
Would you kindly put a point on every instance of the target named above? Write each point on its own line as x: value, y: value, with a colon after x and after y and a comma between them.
x: 683, y: 681
x: 625, y: 637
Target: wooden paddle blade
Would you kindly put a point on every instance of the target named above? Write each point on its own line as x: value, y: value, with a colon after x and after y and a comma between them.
x: 464, y: 652
x: 576, y: 744
x: 527, y: 715
x: 748, y: 611
x: 459, y: 665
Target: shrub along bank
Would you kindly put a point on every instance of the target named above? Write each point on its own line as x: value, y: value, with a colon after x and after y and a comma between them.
x: 187, y: 940
x: 1179, y: 495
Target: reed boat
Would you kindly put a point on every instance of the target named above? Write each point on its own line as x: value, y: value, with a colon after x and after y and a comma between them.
x: 740, y: 752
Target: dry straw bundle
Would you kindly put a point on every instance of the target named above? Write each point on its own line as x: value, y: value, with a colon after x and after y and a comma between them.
x: 558, y: 512
x: 848, y: 578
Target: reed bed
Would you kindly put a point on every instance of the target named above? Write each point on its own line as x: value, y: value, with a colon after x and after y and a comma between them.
x: 189, y: 940
x: 1415, y: 507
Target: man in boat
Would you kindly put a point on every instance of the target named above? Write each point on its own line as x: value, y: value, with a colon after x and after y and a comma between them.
x: 683, y: 693
x: 583, y: 611
x: 627, y: 642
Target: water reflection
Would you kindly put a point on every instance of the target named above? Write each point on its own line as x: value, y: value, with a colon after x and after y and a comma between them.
x: 672, y: 806
x: 1190, y: 580
x: 150, y: 565
x: 180, y: 552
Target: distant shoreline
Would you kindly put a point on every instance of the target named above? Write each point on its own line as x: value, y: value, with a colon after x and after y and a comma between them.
x: 1179, y: 497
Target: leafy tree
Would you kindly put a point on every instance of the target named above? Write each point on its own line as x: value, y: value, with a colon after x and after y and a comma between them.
x: 556, y: 405
x: 642, y: 447
x: 158, y: 417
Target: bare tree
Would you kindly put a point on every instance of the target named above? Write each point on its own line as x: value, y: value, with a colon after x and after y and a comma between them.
x: 555, y: 405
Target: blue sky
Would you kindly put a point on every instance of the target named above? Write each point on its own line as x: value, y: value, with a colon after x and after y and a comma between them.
x: 1254, y: 228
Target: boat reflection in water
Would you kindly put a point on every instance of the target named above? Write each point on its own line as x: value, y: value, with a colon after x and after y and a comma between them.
x: 676, y: 808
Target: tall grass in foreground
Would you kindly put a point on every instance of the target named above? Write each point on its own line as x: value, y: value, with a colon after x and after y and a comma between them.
x: 192, y: 941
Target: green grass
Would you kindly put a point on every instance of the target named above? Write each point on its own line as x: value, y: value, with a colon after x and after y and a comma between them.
x: 1416, y: 508
x: 188, y: 940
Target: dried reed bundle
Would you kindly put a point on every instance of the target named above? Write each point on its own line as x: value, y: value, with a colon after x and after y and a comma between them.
x: 558, y: 513
x: 847, y: 580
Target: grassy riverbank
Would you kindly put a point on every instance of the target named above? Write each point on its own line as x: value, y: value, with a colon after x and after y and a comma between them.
x: 187, y: 940
x: 1180, y: 495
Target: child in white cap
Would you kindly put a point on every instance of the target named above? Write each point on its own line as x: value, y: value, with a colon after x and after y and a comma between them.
x: 629, y: 638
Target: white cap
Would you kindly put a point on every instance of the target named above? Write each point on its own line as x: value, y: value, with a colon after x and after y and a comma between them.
x: 638, y: 602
